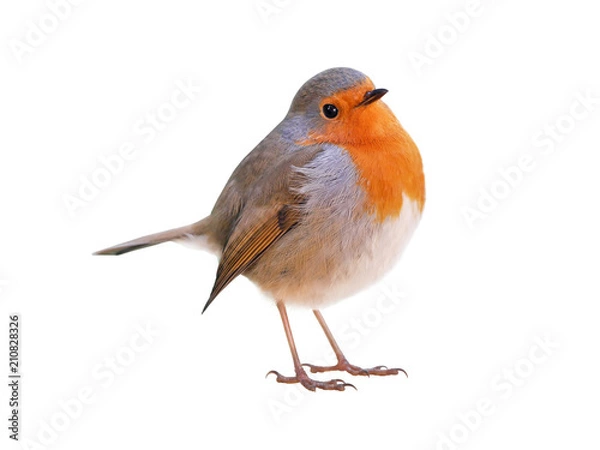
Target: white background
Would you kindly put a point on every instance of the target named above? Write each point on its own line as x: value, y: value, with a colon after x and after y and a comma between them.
x: 465, y: 308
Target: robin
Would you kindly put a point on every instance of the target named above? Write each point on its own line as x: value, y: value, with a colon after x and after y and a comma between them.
x: 320, y: 209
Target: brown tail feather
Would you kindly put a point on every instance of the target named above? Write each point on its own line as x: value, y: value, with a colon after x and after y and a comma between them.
x: 195, y: 229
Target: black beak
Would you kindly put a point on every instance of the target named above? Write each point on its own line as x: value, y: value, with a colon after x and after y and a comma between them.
x: 372, y: 96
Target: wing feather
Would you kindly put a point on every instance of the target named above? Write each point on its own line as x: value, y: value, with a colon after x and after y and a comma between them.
x: 262, y: 222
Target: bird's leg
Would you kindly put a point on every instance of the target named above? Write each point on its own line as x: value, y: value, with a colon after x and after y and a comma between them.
x: 301, y: 375
x: 343, y: 364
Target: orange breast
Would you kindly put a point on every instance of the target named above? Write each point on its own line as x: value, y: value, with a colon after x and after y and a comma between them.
x: 388, y: 161
x: 387, y: 169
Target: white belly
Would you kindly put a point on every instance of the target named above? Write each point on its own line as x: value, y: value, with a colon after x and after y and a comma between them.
x: 389, y: 239
x: 321, y: 262
x: 370, y: 250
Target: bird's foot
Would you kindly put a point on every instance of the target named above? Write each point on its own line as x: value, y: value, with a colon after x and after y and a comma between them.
x: 310, y: 384
x: 344, y: 366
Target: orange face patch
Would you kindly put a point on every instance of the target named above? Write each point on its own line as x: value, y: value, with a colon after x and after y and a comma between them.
x: 387, y: 159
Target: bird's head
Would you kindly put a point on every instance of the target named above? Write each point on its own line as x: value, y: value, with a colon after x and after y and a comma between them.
x: 342, y: 106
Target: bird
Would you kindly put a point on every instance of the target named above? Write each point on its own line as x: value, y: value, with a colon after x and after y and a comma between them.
x: 320, y: 209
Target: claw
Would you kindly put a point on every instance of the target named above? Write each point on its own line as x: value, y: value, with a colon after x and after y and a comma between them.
x: 398, y: 369
x: 301, y: 377
x: 364, y: 372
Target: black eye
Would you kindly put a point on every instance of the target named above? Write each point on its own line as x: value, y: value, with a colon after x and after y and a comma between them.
x: 330, y: 111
